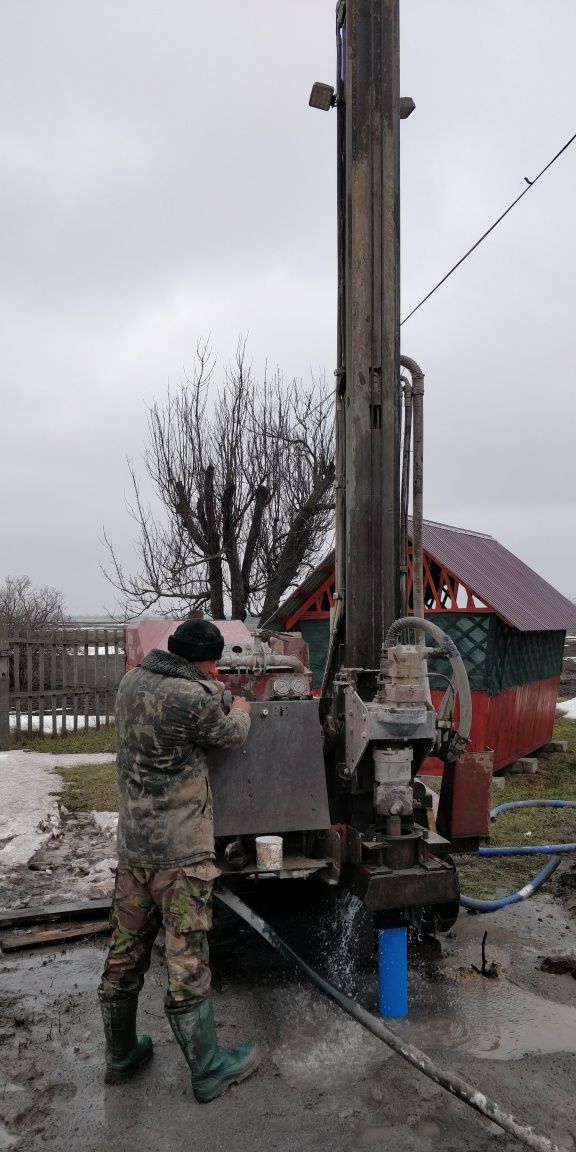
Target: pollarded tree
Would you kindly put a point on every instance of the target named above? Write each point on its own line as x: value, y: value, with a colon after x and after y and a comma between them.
x: 244, y: 475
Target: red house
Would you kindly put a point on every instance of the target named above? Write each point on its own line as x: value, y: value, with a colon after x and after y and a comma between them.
x: 509, y: 624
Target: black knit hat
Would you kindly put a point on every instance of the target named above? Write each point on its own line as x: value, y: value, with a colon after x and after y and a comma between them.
x: 197, y: 640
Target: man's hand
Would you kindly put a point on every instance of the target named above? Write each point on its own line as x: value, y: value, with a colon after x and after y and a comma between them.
x: 241, y: 704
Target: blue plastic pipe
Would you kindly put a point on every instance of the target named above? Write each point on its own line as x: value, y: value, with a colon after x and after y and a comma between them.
x: 527, y: 850
x: 555, y: 851
x: 393, y: 972
x: 529, y: 889
x: 531, y: 804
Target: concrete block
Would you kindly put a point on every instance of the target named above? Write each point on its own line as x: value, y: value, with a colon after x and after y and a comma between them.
x: 555, y: 746
x: 498, y: 783
x: 527, y: 766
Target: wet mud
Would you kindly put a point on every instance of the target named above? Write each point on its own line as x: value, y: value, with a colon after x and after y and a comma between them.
x: 75, y: 863
x: 325, y: 1085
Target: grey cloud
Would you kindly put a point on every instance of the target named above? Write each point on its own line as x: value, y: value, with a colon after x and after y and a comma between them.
x: 162, y: 177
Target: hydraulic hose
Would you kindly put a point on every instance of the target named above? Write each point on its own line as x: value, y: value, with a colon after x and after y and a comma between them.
x: 419, y: 1060
x: 555, y: 851
x: 459, y: 671
x: 529, y: 889
x: 510, y: 804
x: 527, y: 850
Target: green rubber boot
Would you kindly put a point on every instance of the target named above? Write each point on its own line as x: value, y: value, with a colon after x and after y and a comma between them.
x: 125, y: 1051
x: 213, y: 1068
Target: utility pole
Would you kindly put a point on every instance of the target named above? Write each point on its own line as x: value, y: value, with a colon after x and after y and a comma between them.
x: 368, y: 102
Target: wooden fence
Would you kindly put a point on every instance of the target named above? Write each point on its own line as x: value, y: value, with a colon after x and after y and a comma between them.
x: 63, y: 680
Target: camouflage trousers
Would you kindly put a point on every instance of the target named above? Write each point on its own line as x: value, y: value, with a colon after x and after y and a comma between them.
x: 144, y: 899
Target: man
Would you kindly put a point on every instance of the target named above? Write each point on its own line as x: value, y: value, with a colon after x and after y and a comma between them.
x: 168, y: 715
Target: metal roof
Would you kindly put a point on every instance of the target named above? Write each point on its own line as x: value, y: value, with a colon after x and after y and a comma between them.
x: 495, y: 576
x: 498, y: 578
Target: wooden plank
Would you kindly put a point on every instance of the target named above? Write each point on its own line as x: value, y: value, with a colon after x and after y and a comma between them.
x: 75, y: 684
x: 106, y: 685
x: 4, y: 689
x: 31, y: 939
x: 29, y: 680
x: 41, y: 690
x: 53, y: 682
x: 46, y: 913
x: 65, y: 636
x: 17, y: 686
x: 86, y: 677
x: 64, y: 683
x: 46, y: 695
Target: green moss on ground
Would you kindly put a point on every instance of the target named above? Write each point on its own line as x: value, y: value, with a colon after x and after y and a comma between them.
x: 86, y: 740
x: 554, y: 780
x: 89, y: 788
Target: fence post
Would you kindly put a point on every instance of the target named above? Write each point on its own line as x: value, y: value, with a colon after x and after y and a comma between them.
x: 4, y: 690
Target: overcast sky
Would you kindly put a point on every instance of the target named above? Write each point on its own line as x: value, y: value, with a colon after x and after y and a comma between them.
x: 162, y: 178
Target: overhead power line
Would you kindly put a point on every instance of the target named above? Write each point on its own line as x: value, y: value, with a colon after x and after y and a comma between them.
x: 529, y: 184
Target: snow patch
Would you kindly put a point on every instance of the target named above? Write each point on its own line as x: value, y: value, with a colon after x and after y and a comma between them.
x: 48, y: 725
x: 107, y: 822
x: 568, y: 708
x: 103, y: 872
x: 29, y: 815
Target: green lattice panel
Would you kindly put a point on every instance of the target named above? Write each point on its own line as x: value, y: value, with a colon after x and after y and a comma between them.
x: 316, y: 633
x: 522, y: 657
x: 470, y: 632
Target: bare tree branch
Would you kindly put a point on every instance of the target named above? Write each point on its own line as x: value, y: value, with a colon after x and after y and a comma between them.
x: 242, y: 477
x: 25, y: 608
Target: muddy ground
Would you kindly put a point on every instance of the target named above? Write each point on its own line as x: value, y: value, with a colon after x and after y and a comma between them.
x: 76, y: 862
x: 325, y: 1084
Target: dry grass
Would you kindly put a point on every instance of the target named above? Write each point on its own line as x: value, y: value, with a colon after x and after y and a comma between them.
x: 89, y: 788
x: 555, y: 780
x: 86, y: 740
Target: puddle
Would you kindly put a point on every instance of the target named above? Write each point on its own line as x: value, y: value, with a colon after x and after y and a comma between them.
x: 318, y: 1043
x: 493, y: 1019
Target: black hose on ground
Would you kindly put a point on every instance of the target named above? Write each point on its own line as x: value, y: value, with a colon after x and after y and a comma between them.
x: 448, y: 1080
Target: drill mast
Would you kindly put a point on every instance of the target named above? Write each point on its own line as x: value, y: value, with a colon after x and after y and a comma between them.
x: 368, y: 407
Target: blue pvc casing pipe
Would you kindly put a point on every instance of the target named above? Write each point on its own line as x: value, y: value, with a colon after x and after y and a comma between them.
x: 393, y: 972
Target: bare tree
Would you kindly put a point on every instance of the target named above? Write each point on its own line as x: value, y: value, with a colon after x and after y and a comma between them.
x: 25, y: 608
x: 244, y: 476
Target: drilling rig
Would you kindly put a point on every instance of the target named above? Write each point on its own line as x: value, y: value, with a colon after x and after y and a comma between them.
x: 337, y: 780
x: 376, y: 704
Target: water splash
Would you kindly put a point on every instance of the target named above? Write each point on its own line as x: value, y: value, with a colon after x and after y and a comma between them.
x: 341, y: 936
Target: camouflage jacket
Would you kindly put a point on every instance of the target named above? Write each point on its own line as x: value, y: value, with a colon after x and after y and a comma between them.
x: 167, y: 718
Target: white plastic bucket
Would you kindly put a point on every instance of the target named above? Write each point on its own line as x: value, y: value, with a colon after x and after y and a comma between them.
x: 268, y: 853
